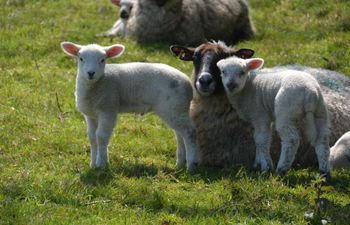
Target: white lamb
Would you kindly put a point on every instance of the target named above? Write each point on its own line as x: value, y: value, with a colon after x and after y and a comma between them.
x: 286, y: 99
x: 105, y: 90
x: 340, y: 153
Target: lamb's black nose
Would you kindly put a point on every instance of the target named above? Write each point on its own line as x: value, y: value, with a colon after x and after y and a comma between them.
x: 231, y: 86
x: 124, y: 14
x: 91, y: 74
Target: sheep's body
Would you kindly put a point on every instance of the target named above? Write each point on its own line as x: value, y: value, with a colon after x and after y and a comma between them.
x: 284, y: 98
x: 340, y: 153
x: 190, y: 21
x: 104, y: 91
x: 224, y: 139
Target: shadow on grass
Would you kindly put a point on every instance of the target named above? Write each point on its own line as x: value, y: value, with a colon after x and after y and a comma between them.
x: 97, y: 176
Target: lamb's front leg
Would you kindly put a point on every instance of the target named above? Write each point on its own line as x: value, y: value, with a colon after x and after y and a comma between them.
x: 106, y: 123
x: 91, y: 130
x: 262, y: 138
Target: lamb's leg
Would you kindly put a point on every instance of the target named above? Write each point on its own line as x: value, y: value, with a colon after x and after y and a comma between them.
x: 91, y: 130
x: 322, y: 146
x: 106, y: 123
x: 290, y: 138
x: 180, y: 151
x: 262, y: 138
x: 183, y: 126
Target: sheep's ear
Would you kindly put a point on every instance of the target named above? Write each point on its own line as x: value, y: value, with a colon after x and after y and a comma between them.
x: 254, y: 63
x: 183, y: 53
x: 219, y: 64
x: 116, y: 2
x: 243, y: 53
x: 70, y: 48
x: 114, y: 50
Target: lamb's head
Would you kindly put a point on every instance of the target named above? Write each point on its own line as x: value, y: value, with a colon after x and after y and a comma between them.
x: 125, y: 7
x: 206, y: 74
x: 91, y: 58
x: 234, y: 72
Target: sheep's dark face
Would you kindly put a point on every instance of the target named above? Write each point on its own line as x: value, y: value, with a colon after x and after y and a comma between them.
x: 206, y: 74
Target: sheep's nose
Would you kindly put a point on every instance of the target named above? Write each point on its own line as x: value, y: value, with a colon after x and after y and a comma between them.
x: 205, y: 79
x: 124, y: 14
x: 231, y: 86
x: 91, y: 74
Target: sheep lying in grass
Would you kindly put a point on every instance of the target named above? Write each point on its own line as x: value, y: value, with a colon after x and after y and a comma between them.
x: 286, y: 99
x: 190, y: 21
x: 105, y: 90
x: 119, y: 27
x: 340, y: 153
x: 224, y: 139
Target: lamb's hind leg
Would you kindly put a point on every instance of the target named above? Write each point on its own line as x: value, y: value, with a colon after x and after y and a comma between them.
x: 180, y: 151
x: 322, y: 146
x: 290, y: 138
x: 106, y: 123
x: 184, y: 128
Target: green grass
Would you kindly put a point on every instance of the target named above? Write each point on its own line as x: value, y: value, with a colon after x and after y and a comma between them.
x: 44, y: 152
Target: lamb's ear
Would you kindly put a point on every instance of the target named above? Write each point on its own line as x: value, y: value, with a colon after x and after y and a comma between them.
x: 243, y: 53
x: 70, y: 48
x: 114, y: 50
x: 219, y: 64
x: 254, y: 63
x: 183, y: 53
x: 116, y: 2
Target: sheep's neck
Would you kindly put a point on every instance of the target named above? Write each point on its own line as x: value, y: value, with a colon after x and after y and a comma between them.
x: 85, y: 87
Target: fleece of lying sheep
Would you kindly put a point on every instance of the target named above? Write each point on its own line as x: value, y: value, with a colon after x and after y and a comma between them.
x: 283, y: 98
x: 224, y: 139
x: 105, y: 90
x: 340, y: 153
x: 190, y: 21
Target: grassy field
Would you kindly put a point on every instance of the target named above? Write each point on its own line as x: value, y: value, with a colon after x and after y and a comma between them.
x: 44, y: 152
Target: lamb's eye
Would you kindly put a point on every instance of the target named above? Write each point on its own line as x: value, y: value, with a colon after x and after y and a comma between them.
x: 241, y: 73
x: 102, y: 60
x: 81, y: 59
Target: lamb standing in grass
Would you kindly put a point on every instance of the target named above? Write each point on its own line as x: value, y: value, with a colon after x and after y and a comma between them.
x: 285, y: 98
x: 340, y: 153
x: 105, y: 90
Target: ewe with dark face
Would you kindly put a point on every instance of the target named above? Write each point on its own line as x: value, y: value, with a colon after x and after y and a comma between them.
x: 222, y: 137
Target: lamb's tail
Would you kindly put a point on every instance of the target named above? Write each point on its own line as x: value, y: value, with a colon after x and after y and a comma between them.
x: 310, y: 127
x: 316, y: 127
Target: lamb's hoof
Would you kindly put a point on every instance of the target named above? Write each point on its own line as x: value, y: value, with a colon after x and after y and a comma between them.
x: 263, y: 166
x: 280, y: 171
x: 193, y: 167
x: 325, y: 176
x: 180, y: 165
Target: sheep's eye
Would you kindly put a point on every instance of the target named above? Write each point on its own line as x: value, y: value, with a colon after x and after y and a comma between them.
x: 241, y: 73
x: 81, y: 59
x: 102, y: 60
